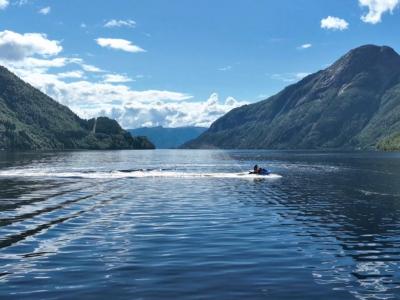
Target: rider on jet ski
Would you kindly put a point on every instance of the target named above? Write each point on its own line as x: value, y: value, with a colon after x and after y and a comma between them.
x: 259, y: 171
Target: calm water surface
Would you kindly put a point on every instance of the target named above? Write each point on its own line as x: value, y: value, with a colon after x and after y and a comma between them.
x: 73, y: 225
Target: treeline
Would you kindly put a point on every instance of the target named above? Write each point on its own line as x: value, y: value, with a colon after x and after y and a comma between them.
x: 391, y: 143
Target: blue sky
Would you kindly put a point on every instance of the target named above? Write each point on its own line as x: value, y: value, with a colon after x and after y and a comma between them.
x: 181, y: 62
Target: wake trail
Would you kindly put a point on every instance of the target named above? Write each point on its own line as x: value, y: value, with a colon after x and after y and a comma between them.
x: 133, y: 174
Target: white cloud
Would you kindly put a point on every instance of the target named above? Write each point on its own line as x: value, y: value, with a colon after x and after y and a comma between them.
x: 4, y: 4
x: 226, y: 68
x: 172, y: 114
x: 92, y: 69
x: 35, y: 63
x: 83, y: 25
x: 15, y: 46
x: 120, y: 23
x: 289, y: 77
x: 119, y: 44
x: 45, y: 10
x: 31, y: 65
x: 230, y: 101
x: 377, y: 8
x: 92, y: 95
x: 301, y: 75
x: 334, y: 23
x: 71, y: 74
x: 116, y: 78
x: 131, y: 108
x: 305, y: 46
x: 21, y: 2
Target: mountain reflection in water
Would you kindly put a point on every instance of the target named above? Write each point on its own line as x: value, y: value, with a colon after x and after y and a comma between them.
x: 327, y: 229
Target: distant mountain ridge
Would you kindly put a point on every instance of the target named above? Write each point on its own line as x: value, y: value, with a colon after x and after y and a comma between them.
x: 168, y: 138
x: 30, y: 120
x: 353, y: 104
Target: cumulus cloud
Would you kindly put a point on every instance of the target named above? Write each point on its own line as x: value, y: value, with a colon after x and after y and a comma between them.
x: 73, y: 82
x: 116, y: 78
x: 334, y: 23
x: 304, y: 46
x: 15, y: 46
x: 4, y: 4
x: 120, y: 23
x: 119, y: 44
x: 172, y: 114
x: 45, y: 10
x: 376, y: 8
x: 87, y: 93
x: 131, y: 108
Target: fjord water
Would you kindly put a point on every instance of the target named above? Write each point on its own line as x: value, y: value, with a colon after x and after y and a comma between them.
x: 72, y: 226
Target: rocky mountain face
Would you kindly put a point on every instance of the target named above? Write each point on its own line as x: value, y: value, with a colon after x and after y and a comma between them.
x: 30, y: 120
x: 353, y: 104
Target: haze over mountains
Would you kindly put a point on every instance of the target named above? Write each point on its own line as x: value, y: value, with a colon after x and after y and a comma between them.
x: 168, y: 138
x: 353, y: 104
x: 30, y: 120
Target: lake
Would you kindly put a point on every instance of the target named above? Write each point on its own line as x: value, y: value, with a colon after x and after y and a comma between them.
x: 192, y: 225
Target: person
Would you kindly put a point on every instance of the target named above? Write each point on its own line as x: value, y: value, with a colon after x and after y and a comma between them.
x: 255, y: 169
x: 259, y: 171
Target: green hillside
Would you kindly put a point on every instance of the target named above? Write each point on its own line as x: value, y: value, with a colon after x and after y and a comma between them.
x: 391, y: 143
x: 353, y: 104
x: 30, y: 120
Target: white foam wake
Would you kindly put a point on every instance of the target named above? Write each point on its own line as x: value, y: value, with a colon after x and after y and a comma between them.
x: 133, y: 174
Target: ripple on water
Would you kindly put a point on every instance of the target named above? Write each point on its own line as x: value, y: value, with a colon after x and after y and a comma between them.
x: 327, y: 229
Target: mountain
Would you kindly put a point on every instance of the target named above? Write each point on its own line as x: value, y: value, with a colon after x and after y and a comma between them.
x: 168, y: 138
x: 353, y: 104
x: 30, y: 120
x: 391, y: 143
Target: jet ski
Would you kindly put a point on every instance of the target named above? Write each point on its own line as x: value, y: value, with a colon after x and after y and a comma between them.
x: 261, y: 172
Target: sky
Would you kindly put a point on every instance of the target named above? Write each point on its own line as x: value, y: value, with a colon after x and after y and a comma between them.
x: 181, y: 62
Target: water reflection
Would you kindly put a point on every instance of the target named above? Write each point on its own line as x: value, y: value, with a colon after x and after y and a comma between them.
x: 329, y: 229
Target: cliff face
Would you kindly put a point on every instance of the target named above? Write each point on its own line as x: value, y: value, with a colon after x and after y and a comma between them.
x: 355, y: 103
x: 30, y: 120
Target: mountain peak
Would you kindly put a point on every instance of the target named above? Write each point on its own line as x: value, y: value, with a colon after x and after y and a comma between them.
x: 352, y: 104
x: 371, y: 48
x: 368, y: 55
x: 372, y: 59
x: 373, y: 53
